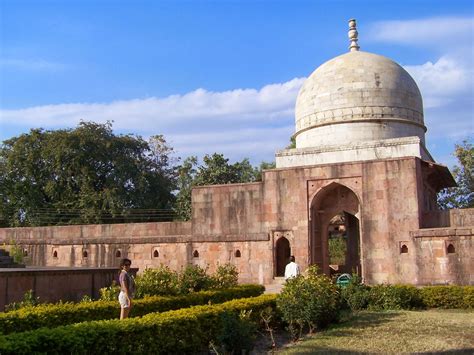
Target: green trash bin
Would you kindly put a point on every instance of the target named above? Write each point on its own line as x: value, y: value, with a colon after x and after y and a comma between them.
x: 343, y: 280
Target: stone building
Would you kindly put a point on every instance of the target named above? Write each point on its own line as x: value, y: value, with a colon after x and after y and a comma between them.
x: 360, y: 158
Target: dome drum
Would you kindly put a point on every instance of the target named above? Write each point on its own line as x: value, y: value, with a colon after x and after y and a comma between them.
x: 358, y: 131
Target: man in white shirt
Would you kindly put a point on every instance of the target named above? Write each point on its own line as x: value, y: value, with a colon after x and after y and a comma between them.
x: 292, y: 269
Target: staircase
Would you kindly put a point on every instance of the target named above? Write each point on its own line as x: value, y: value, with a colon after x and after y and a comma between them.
x: 276, y: 286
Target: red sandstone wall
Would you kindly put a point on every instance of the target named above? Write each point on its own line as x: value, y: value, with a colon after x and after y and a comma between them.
x: 52, y: 285
x: 250, y: 218
x: 390, y: 211
x: 448, y: 218
x: 228, y: 210
x: 126, y: 231
x: 439, y: 266
x: 387, y: 190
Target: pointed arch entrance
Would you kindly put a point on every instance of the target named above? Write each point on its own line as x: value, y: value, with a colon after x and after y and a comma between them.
x: 335, y: 202
x: 283, y: 252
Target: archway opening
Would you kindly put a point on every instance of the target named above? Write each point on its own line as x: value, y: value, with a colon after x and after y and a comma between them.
x: 283, y: 252
x: 335, y: 234
x: 337, y: 243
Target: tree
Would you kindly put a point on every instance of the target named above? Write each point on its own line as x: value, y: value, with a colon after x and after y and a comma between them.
x: 186, y: 176
x: 214, y: 170
x: 292, y: 144
x: 82, y: 175
x: 461, y: 196
x: 263, y: 166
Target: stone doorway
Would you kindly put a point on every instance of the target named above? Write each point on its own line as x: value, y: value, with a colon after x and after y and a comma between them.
x: 283, y: 252
x: 335, y: 230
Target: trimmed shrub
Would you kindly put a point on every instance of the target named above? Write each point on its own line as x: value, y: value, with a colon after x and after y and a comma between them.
x: 311, y: 300
x: 468, y: 297
x: 448, y: 296
x: 194, y: 278
x: 237, y: 333
x: 161, y: 281
x: 355, y: 295
x: 182, y: 331
x: 109, y: 293
x: 385, y: 297
x: 225, y: 276
x: 394, y: 297
x: 29, y: 300
x: 54, y: 315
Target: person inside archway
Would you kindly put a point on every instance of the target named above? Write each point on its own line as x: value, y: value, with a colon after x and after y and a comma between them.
x: 292, y: 269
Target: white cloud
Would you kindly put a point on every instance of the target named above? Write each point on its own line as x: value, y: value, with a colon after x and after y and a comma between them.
x: 31, y: 64
x: 266, y: 105
x: 247, y: 122
x: 431, y: 32
x: 445, y: 81
x: 441, y: 82
x: 256, y: 122
x: 257, y: 143
x: 198, y: 122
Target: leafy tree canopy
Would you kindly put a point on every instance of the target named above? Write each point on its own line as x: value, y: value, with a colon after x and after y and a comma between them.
x: 82, y: 175
x: 215, y: 169
x: 461, y: 196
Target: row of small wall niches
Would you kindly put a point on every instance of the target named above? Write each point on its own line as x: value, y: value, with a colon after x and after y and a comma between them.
x: 118, y: 253
x: 449, y: 249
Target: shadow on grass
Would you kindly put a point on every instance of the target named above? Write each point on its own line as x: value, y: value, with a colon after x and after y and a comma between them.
x: 349, y: 323
x: 457, y: 351
x: 311, y: 349
x: 323, y: 350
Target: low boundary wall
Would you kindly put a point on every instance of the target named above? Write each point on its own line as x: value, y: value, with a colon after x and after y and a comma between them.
x: 54, y: 283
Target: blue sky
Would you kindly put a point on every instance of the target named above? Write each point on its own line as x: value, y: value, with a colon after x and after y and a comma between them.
x: 220, y: 76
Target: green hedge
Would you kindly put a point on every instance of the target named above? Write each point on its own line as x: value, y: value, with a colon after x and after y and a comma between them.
x: 385, y: 297
x: 54, y: 315
x: 448, y: 296
x: 186, y: 330
x: 394, y: 297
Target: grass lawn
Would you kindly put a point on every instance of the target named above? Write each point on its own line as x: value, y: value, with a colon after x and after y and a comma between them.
x: 447, y: 331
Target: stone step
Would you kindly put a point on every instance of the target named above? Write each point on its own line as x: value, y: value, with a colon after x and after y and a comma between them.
x: 276, y: 286
x: 12, y: 266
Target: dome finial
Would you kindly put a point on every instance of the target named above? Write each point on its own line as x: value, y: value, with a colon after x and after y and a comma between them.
x: 353, y: 35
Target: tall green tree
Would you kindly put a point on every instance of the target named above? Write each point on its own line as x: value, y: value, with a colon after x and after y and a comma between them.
x: 264, y: 165
x: 215, y: 169
x: 461, y: 196
x: 82, y: 175
x: 186, y: 180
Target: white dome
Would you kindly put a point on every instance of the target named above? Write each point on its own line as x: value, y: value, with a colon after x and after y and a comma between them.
x: 358, y: 97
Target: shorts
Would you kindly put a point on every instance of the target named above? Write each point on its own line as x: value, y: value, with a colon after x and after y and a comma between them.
x: 123, y: 300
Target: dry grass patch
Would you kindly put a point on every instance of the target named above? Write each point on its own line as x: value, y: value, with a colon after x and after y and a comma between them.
x: 394, y: 332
